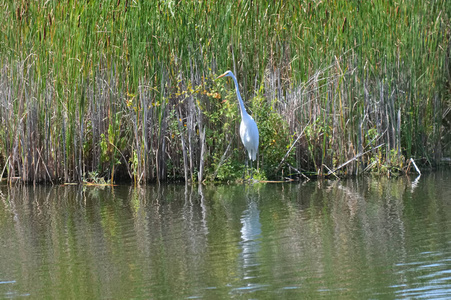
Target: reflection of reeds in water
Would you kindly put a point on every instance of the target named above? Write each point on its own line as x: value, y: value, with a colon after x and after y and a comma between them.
x: 126, y: 89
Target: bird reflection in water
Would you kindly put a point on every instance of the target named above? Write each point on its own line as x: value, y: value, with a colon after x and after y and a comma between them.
x: 250, y: 239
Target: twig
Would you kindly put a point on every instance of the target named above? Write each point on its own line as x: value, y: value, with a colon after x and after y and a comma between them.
x: 331, y: 172
x: 123, y: 157
x: 221, y: 161
x: 36, y: 170
x: 299, y: 172
x: 415, y: 165
x: 48, y: 174
x: 289, y: 150
x: 4, y: 168
x: 185, y: 157
x: 202, y: 155
x: 354, y: 158
x: 370, y: 166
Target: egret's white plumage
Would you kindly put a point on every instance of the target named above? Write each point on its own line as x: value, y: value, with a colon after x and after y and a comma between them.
x: 248, y: 127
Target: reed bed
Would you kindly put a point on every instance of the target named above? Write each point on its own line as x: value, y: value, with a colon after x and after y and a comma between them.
x: 125, y: 90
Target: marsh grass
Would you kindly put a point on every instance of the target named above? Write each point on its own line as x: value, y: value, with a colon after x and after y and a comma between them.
x: 126, y: 90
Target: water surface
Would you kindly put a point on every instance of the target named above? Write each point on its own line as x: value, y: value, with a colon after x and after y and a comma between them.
x: 350, y: 239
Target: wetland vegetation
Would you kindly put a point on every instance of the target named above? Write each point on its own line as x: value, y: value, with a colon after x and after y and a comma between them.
x: 111, y: 90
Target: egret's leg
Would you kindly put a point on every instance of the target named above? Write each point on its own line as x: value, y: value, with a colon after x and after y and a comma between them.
x: 245, y: 168
x: 252, y: 173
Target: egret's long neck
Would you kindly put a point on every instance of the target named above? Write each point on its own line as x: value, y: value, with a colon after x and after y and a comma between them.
x: 238, y: 95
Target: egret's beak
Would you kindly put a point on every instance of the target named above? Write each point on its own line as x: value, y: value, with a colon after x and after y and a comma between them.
x: 221, y: 76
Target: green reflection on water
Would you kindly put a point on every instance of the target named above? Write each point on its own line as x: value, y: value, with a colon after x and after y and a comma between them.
x: 363, y: 238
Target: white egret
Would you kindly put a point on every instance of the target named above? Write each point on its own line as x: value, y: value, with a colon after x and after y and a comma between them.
x: 248, y: 127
